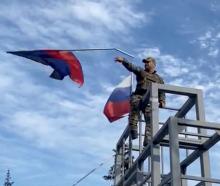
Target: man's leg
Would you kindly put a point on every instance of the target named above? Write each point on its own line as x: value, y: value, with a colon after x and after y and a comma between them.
x: 147, y: 136
x: 134, y: 115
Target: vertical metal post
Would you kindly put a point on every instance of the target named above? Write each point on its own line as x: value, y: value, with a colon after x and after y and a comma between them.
x: 140, y: 133
x: 155, y: 149
x: 204, y: 159
x: 123, y: 158
x: 162, y: 162
x: 130, y: 151
x: 184, y: 172
x: 149, y: 168
x: 174, y: 153
x: 141, y: 167
x: 117, y: 165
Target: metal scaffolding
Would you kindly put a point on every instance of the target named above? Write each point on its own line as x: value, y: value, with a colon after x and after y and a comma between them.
x: 130, y: 171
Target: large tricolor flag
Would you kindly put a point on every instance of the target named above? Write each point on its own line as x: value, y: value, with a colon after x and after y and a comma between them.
x: 118, y: 103
x: 63, y: 62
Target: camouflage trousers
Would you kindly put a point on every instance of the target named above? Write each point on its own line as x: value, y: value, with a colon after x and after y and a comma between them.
x: 135, y: 114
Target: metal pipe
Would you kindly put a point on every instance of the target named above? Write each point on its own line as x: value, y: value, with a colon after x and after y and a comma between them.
x: 84, y: 49
x: 123, y: 52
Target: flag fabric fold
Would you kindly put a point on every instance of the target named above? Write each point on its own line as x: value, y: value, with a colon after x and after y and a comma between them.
x: 63, y: 62
x: 118, y: 103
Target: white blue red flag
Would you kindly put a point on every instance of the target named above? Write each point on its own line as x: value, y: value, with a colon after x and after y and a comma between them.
x: 118, y: 104
x: 63, y: 62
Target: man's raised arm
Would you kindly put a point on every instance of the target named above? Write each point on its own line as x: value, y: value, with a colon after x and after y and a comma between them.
x: 128, y: 65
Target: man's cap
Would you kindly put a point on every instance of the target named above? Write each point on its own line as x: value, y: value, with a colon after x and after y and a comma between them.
x: 149, y: 59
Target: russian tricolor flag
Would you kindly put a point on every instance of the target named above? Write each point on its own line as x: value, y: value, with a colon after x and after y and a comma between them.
x: 118, y: 103
x: 63, y: 62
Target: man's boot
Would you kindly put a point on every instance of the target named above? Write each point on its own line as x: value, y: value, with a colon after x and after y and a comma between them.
x: 134, y: 134
x: 147, y: 136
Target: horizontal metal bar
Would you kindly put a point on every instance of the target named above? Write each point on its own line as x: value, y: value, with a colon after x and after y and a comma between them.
x: 194, y: 155
x: 177, y: 90
x: 135, y: 147
x: 184, y: 143
x: 160, y: 123
x: 170, y: 108
x: 188, y: 147
x: 198, y: 124
x: 167, y: 179
x: 204, y: 179
x: 197, y: 153
x: 194, y: 134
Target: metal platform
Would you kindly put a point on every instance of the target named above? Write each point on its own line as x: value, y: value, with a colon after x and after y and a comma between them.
x: 130, y: 171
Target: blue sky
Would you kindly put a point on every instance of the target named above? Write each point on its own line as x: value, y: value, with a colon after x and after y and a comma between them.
x: 52, y: 132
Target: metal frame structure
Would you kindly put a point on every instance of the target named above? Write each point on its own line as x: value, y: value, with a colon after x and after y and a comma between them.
x: 130, y: 172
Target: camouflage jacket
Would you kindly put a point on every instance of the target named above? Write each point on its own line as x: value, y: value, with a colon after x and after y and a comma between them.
x: 144, y: 79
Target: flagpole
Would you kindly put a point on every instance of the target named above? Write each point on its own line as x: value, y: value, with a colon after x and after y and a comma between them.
x: 97, y: 49
x: 123, y: 52
x: 94, y: 49
x: 87, y: 49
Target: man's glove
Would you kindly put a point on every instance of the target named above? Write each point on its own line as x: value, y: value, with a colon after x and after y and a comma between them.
x: 120, y: 59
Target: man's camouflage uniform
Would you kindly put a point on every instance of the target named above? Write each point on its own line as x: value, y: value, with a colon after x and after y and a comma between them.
x: 144, y: 80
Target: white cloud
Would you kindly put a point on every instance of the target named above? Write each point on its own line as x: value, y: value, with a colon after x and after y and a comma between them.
x: 150, y: 52
x: 213, y: 52
x: 209, y: 41
x: 215, y: 6
x: 87, y: 22
x: 59, y: 119
x: 171, y: 66
x: 104, y: 12
x: 51, y: 120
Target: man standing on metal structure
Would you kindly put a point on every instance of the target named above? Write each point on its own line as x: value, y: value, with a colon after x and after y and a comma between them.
x: 144, y: 76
